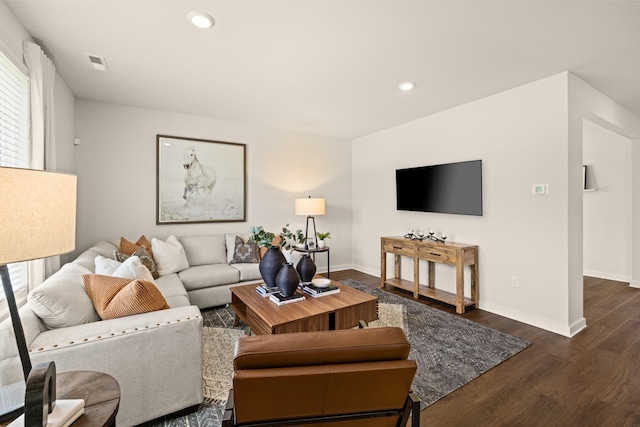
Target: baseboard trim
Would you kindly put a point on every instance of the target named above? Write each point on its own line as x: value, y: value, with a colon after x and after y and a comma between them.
x: 634, y: 283
x: 608, y: 276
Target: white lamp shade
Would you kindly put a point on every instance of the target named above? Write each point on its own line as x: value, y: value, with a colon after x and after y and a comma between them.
x: 37, y: 214
x: 309, y: 206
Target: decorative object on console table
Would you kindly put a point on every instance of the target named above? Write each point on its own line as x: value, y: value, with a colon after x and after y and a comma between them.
x: 306, y: 268
x: 310, y: 207
x: 287, y: 279
x: 38, y: 221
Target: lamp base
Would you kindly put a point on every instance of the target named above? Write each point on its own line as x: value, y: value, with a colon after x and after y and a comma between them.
x: 306, y: 234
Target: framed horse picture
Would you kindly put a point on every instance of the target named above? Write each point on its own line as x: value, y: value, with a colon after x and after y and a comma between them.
x: 199, y: 180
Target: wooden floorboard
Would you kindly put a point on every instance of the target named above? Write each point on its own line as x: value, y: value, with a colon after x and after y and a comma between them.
x: 592, y: 379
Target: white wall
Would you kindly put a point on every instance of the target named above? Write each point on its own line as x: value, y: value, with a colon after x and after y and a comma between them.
x: 12, y: 35
x: 607, y: 210
x: 585, y: 102
x: 521, y: 137
x: 116, y: 167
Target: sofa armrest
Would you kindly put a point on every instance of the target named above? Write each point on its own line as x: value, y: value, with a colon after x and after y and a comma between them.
x: 104, y: 330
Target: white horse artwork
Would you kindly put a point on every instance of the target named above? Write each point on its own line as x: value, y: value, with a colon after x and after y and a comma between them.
x: 198, y: 178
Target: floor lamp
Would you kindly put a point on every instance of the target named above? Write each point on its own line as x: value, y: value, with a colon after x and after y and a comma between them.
x: 37, y: 220
x: 310, y: 207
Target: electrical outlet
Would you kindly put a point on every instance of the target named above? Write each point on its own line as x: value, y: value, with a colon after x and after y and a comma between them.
x: 515, y: 281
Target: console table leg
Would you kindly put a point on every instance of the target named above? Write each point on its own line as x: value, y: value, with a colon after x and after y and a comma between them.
x: 459, y: 287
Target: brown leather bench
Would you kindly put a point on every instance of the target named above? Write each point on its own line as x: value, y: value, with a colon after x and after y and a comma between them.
x: 354, y: 377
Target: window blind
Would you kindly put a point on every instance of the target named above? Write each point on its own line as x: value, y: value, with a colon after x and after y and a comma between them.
x: 14, y: 145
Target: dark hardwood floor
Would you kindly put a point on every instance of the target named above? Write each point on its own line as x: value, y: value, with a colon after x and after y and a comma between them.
x: 592, y: 379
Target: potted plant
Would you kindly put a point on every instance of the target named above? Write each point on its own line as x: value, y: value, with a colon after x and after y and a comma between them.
x: 322, y: 237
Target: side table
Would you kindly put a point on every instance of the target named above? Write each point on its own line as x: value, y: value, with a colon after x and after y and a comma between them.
x: 101, y: 393
x: 313, y: 253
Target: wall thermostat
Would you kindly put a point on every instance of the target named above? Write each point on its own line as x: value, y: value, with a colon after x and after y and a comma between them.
x: 540, y: 189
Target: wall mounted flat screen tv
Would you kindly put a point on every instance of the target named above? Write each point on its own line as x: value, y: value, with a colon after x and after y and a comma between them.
x: 454, y: 188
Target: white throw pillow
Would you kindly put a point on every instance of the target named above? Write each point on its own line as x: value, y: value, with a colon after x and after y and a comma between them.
x: 61, y: 300
x: 170, y: 256
x: 132, y: 268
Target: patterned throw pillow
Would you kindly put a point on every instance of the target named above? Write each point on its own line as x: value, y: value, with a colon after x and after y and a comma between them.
x: 128, y: 248
x: 245, y: 252
x: 145, y: 258
x: 118, y: 297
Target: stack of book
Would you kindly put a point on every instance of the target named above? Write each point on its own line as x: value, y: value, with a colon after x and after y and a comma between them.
x: 265, y: 291
x: 280, y: 299
x: 316, y: 291
x: 65, y: 412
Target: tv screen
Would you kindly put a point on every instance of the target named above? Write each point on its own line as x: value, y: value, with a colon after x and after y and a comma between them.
x: 454, y: 188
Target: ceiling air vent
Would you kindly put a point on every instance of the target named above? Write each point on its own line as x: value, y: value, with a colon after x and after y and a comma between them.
x: 98, y: 62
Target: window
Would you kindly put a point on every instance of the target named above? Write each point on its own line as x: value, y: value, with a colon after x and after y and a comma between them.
x: 14, y: 147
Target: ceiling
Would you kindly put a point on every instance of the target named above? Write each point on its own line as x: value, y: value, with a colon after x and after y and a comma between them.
x: 332, y: 67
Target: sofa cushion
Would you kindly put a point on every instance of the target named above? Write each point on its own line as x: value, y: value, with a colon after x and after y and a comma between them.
x: 145, y: 257
x: 230, y: 242
x: 173, y: 291
x: 61, y: 301
x: 204, y: 249
x: 248, y: 271
x: 131, y: 268
x: 170, y: 255
x: 244, y: 251
x: 118, y: 297
x: 128, y: 248
x: 205, y: 276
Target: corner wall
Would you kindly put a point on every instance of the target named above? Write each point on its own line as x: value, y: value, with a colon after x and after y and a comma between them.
x: 116, y: 167
x: 521, y: 137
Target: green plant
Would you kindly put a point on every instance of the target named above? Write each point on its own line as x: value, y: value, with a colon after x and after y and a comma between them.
x: 263, y: 238
x: 289, y: 239
x: 323, y: 236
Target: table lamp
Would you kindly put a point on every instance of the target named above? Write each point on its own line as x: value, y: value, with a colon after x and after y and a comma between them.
x: 310, y: 207
x: 37, y: 220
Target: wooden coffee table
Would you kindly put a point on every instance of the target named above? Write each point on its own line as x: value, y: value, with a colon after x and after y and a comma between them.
x: 338, y: 311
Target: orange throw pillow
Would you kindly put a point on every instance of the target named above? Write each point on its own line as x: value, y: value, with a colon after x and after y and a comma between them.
x: 117, y: 297
x: 128, y: 248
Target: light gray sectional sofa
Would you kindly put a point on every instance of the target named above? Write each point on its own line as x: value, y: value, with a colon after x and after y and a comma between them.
x: 156, y: 357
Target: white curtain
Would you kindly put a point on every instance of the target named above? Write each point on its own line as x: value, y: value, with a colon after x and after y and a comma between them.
x: 42, y: 77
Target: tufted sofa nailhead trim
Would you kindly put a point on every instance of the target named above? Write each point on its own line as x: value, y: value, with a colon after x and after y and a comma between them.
x: 113, y: 334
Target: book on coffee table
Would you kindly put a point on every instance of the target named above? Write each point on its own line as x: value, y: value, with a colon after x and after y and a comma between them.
x: 280, y: 299
x: 265, y: 291
x: 316, y: 291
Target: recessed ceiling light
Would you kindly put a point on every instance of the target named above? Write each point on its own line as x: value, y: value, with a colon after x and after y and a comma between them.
x: 201, y: 19
x: 406, y: 86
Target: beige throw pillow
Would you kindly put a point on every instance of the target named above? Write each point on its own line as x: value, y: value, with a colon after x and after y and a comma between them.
x: 118, y: 297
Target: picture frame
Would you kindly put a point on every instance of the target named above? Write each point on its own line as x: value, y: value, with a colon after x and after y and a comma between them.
x: 200, y: 180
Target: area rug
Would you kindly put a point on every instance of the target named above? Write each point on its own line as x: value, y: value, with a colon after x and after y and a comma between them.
x: 450, y: 351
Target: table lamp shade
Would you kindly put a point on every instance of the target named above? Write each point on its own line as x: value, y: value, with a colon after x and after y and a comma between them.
x: 37, y: 214
x: 309, y: 206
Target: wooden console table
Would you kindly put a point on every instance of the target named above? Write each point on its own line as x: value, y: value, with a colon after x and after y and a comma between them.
x: 456, y: 254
